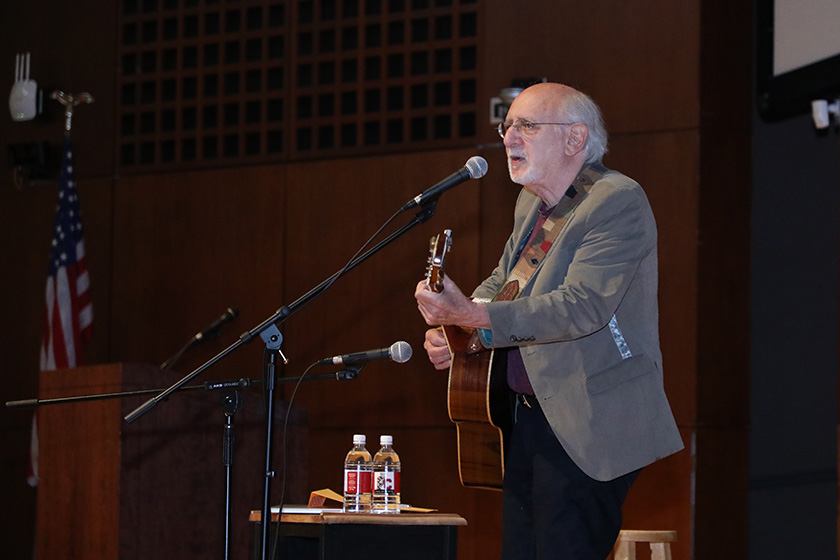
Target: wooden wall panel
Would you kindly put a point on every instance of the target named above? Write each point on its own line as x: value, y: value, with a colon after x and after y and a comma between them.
x: 639, y: 61
x: 190, y: 245
x: 25, y: 227
x: 723, y: 271
x: 96, y: 199
x: 660, y: 496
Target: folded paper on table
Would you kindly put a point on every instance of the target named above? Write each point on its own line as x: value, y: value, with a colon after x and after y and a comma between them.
x: 317, y: 498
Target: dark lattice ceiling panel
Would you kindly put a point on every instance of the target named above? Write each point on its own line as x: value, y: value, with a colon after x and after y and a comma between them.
x: 212, y: 82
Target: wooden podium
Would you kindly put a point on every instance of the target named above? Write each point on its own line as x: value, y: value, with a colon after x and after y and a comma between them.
x: 153, y: 488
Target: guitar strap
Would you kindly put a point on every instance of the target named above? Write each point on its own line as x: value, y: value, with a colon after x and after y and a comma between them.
x: 540, y: 240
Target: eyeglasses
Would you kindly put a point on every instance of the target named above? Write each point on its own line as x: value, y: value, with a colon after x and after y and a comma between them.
x: 526, y: 128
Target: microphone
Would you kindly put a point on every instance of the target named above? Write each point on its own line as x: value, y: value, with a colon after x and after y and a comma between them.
x: 213, y: 328
x: 475, y: 168
x: 400, y: 352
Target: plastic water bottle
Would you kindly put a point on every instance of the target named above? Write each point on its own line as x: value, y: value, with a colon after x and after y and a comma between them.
x: 386, y: 478
x: 358, y: 476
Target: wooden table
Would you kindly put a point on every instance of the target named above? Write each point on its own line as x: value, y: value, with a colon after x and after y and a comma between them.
x: 362, y: 536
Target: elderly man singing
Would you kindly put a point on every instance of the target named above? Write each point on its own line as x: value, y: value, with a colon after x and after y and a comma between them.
x: 580, y: 339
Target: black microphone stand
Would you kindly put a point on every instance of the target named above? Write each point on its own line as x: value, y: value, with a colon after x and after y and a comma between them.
x: 267, y: 330
x: 347, y: 373
x: 209, y: 386
x: 230, y: 403
x: 171, y: 360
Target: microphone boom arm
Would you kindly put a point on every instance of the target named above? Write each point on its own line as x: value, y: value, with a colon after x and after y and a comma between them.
x: 283, y: 313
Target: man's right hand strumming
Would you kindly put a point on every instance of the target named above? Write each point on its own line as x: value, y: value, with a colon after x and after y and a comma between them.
x: 437, y: 349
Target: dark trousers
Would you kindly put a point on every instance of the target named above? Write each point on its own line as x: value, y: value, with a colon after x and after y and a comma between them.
x: 552, y: 509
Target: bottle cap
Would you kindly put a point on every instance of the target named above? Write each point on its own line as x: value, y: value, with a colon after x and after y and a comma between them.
x: 359, y: 439
x: 386, y: 440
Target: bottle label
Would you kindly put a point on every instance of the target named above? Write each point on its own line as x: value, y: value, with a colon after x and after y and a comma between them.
x: 386, y: 481
x: 357, y: 481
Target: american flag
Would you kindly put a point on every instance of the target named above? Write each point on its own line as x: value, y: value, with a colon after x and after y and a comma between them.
x: 69, y: 311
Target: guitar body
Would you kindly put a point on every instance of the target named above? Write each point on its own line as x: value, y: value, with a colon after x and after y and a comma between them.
x: 477, y: 397
x: 479, y: 407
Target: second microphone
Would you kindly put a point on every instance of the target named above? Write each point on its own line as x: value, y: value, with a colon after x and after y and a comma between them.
x: 399, y: 352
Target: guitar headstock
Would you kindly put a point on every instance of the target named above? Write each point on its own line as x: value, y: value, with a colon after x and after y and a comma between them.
x: 439, y: 246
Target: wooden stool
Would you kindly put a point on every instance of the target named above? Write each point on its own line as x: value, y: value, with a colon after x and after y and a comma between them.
x: 660, y: 547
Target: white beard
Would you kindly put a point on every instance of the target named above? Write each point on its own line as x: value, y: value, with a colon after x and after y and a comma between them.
x: 524, y: 178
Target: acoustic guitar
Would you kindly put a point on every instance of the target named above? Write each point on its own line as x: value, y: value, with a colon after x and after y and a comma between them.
x: 477, y: 397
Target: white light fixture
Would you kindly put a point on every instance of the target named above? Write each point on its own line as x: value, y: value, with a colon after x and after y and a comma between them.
x: 822, y: 110
x: 24, y: 100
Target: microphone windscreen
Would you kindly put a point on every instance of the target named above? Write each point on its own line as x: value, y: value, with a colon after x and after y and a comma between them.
x: 476, y: 166
x: 401, y: 351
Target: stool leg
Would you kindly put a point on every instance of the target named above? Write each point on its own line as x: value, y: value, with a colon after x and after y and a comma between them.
x: 626, y: 551
x: 660, y: 551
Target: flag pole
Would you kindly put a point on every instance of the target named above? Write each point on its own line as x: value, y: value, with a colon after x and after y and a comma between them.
x: 61, y: 349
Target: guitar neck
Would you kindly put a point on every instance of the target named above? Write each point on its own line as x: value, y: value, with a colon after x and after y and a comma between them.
x: 439, y: 247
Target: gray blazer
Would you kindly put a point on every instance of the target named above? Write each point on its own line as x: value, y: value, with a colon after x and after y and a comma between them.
x: 587, y: 325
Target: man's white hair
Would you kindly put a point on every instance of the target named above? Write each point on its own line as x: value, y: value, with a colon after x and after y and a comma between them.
x: 579, y: 107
